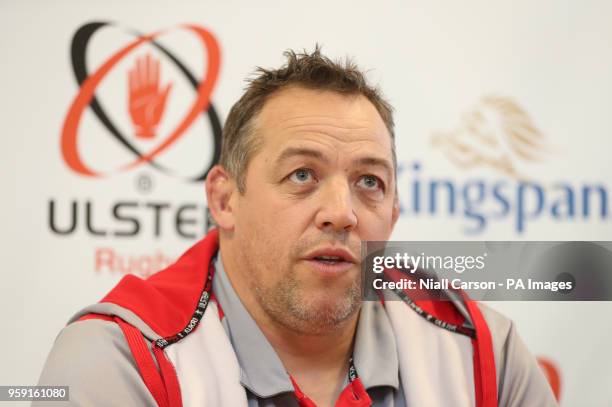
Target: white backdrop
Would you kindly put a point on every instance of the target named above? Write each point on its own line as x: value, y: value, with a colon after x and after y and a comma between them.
x: 532, y: 77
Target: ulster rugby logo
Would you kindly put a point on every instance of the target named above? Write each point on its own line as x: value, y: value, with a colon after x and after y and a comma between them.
x: 497, y: 134
x: 148, y: 131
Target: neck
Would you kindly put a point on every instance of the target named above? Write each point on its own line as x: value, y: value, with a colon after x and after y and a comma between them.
x: 300, y: 352
x: 318, y: 363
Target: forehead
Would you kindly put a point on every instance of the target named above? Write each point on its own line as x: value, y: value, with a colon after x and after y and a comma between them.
x: 297, y: 115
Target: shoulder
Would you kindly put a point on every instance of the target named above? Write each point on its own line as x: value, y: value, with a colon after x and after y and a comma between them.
x: 499, y: 325
x: 519, y: 378
x: 94, y: 360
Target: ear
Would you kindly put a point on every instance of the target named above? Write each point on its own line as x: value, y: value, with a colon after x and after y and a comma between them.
x: 220, y: 193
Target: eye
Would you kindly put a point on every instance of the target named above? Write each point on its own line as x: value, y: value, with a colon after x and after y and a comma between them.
x: 301, y: 176
x: 370, y: 182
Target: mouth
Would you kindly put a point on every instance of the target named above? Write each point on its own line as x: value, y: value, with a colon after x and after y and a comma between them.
x: 331, y: 261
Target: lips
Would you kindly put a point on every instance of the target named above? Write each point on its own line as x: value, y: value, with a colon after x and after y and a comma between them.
x: 331, y: 260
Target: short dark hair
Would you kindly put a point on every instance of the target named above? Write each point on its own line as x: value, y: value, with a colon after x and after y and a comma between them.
x: 309, y: 70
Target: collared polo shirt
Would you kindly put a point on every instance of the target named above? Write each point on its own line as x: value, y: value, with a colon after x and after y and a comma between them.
x: 263, y: 375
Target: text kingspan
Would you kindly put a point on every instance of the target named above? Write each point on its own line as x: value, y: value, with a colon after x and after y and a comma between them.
x: 480, y: 202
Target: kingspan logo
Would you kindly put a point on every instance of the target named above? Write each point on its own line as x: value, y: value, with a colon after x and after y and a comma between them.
x: 143, y: 101
x: 498, y: 136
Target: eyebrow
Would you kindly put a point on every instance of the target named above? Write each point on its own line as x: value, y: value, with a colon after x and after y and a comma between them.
x: 309, y: 152
x: 300, y: 151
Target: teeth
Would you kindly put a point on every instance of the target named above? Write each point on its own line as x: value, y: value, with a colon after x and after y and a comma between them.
x: 329, y: 258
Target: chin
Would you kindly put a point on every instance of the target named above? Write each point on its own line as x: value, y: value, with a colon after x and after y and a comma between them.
x: 332, y: 308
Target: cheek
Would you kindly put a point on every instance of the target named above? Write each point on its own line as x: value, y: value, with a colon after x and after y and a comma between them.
x: 279, y: 213
x: 267, y: 231
x: 375, y: 225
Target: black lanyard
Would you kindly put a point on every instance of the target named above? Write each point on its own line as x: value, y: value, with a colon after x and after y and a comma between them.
x: 198, y: 314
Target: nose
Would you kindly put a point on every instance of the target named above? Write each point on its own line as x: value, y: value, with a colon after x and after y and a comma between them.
x: 336, y: 209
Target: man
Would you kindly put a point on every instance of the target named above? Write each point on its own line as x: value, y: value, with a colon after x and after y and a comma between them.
x: 267, y: 309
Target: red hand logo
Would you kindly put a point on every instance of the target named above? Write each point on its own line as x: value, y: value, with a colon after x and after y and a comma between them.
x: 146, y: 100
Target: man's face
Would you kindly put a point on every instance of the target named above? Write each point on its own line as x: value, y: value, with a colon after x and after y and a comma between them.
x: 321, y: 183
